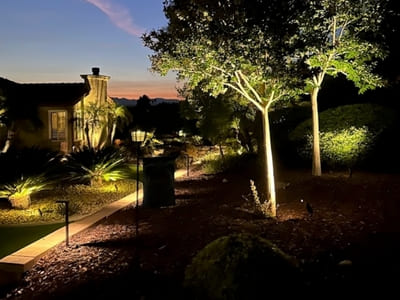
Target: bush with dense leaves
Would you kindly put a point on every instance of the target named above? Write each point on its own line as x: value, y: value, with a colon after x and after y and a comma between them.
x: 348, y: 134
x: 94, y: 166
x: 240, y: 266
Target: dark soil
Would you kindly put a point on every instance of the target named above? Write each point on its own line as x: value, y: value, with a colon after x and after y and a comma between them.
x: 347, y: 243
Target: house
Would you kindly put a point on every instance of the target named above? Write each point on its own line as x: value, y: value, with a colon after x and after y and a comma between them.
x: 56, y: 116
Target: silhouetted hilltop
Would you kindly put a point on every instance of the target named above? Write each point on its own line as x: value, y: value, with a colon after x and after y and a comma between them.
x: 132, y: 102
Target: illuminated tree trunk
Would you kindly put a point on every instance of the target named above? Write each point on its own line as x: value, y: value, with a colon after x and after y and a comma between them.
x: 112, y: 133
x: 268, y: 162
x: 316, y: 157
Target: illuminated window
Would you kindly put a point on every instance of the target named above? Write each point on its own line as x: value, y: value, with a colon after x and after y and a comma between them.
x: 58, y: 125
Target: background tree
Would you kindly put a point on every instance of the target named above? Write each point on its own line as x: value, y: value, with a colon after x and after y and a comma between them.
x: 242, y: 45
x: 223, y: 120
x: 12, y: 112
x: 337, y: 35
x: 102, y: 121
x: 161, y: 118
x: 141, y: 113
x: 120, y: 118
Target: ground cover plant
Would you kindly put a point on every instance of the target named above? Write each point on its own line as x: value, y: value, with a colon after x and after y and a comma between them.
x: 83, y: 199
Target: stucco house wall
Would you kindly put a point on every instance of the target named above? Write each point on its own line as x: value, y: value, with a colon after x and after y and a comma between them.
x: 60, y: 111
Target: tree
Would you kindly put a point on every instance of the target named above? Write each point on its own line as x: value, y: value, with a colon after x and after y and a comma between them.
x: 142, y: 112
x: 101, y: 122
x: 120, y: 117
x: 241, y: 45
x: 11, y: 112
x: 223, y: 119
x: 2, y: 108
x: 336, y: 34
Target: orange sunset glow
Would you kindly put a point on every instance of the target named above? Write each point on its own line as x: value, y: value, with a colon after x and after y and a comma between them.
x: 135, y: 89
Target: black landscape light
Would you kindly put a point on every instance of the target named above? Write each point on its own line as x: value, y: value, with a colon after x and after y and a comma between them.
x: 138, y: 137
x: 65, y: 202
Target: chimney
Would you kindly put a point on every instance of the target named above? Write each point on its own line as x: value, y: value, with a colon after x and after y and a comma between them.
x: 95, y: 71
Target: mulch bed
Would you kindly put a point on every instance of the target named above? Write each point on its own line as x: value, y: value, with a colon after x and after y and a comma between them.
x: 348, y: 243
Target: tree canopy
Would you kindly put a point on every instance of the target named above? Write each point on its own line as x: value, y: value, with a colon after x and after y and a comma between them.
x: 243, y: 45
x: 265, y: 50
x: 338, y: 39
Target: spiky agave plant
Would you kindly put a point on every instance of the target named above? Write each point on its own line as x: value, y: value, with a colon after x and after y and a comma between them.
x: 19, y: 192
x: 107, y: 170
x: 96, y: 166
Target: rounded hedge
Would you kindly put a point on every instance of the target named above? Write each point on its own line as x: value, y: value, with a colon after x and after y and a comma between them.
x: 348, y: 133
x: 240, y: 266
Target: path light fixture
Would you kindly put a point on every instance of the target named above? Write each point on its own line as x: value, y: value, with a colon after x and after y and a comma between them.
x: 65, y: 202
x: 138, y: 137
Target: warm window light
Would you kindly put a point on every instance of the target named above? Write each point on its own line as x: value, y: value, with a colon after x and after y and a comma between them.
x: 138, y: 135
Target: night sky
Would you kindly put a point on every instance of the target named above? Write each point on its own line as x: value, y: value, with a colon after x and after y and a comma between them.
x: 57, y: 40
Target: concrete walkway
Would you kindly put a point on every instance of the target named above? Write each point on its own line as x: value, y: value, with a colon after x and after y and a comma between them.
x: 13, y: 266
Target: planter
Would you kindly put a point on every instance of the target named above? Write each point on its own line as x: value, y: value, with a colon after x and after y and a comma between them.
x: 20, y: 202
x: 158, y: 181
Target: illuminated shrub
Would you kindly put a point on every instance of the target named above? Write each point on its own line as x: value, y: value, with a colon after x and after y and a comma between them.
x: 348, y: 134
x: 214, y: 163
x: 19, y: 192
x: 93, y: 166
x: 240, y: 266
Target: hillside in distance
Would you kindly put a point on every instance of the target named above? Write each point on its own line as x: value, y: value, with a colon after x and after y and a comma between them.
x: 132, y: 102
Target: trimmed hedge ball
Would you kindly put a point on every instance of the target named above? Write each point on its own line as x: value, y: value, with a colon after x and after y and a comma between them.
x: 241, y: 266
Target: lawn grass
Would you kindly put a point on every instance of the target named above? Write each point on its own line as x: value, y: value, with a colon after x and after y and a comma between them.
x: 19, y: 228
x: 13, y: 238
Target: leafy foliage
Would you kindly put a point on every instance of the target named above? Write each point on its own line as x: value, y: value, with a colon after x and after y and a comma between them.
x: 24, y: 186
x: 19, y: 192
x: 102, y: 121
x: 239, y: 266
x: 94, y: 166
x: 83, y: 200
x: 348, y: 133
x: 3, y: 110
x: 213, y: 163
x: 235, y: 44
x: 335, y: 35
x: 223, y: 120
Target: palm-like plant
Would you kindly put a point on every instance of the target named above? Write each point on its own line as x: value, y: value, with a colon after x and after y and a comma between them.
x: 19, y: 191
x: 107, y: 170
x: 95, y: 166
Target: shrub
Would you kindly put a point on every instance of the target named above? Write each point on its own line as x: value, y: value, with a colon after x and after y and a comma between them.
x: 348, y: 134
x: 214, y: 163
x: 240, y: 266
x: 18, y: 192
x: 95, y: 166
